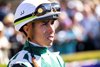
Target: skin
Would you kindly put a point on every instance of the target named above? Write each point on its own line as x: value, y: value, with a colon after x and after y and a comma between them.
x: 41, y: 33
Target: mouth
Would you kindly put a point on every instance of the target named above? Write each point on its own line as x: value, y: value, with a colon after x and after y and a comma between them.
x: 51, y: 38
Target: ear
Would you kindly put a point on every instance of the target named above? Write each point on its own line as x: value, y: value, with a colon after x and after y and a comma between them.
x: 26, y: 29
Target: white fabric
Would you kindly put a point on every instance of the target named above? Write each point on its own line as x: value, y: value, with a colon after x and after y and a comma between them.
x: 19, y: 59
x: 28, y: 6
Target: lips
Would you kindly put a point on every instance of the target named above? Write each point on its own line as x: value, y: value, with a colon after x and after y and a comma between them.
x: 50, y: 38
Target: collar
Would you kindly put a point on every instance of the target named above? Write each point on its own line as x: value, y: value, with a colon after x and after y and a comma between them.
x: 34, y: 49
x: 34, y: 44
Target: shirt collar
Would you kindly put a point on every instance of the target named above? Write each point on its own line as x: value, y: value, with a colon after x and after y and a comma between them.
x: 34, y: 48
x: 34, y: 44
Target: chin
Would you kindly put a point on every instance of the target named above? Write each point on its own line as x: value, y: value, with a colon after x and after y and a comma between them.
x: 48, y: 44
x: 51, y: 44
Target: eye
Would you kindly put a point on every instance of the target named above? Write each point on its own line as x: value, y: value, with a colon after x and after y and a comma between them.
x: 52, y: 22
x: 45, y: 23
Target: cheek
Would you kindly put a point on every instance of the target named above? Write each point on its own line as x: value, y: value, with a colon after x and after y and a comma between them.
x: 40, y: 32
x: 40, y: 35
x: 43, y: 30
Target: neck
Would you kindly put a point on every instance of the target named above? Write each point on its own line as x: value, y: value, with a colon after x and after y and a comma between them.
x: 37, y: 44
x: 34, y: 44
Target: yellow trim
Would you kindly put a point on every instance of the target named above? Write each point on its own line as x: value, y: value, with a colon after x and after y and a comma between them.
x: 81, y: 56
x: 16, y: 23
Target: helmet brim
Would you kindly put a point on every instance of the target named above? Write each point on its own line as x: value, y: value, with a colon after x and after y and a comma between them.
x: 49, y: 16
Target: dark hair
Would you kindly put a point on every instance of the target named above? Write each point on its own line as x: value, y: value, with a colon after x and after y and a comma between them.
x: 22, y: 30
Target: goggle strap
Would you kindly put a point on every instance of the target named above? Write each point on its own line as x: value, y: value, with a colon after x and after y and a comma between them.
x: 54, y: 17
x: 22, y: 18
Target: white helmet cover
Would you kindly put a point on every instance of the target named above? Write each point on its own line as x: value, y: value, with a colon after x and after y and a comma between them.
x: 26, y: 8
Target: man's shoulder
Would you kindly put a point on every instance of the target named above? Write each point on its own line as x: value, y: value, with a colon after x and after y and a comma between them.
x: 20, y: 55
x: 21, y: 58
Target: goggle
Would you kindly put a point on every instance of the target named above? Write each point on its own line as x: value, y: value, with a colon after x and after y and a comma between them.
x: 46, y: 8
x: 43, y: 9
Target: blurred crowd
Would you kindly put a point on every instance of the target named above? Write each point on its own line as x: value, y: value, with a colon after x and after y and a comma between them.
x: 78, y: 28
x: 11, y: 41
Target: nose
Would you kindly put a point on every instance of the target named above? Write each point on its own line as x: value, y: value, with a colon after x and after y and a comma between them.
x: 51, y: 29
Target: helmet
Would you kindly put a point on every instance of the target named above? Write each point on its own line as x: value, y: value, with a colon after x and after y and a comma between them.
x: 32, y: 10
